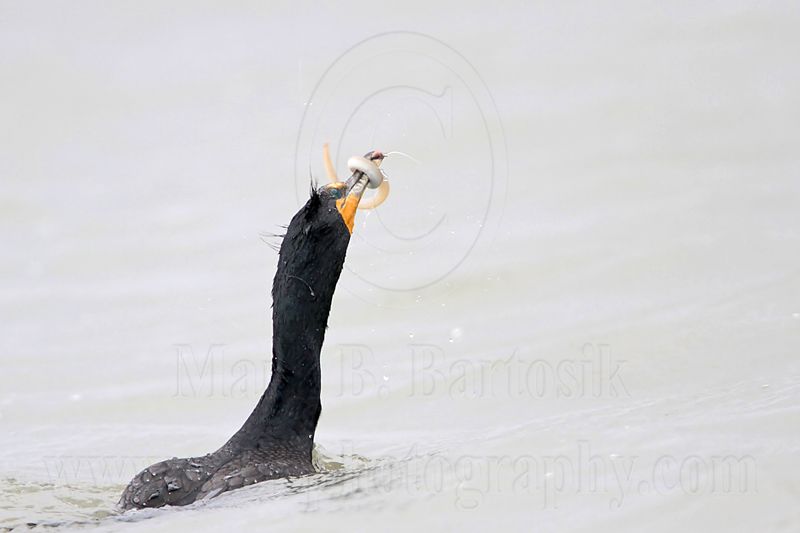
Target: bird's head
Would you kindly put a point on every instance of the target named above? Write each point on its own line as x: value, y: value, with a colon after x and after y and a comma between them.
x: 316, y: 240
x: 347, y: 195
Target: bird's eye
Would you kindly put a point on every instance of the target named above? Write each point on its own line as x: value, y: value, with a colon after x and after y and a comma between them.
x: 336, y: 192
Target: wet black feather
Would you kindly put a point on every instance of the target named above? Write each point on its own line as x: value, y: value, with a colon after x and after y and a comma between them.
x: 277, y: 438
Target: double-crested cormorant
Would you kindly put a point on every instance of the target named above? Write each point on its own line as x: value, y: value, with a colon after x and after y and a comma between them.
x: 277, y: 438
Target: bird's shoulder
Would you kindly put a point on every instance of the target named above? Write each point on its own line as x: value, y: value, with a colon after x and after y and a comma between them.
x: 174, y: 481
x: 183, y: 481
x: 250, y: 467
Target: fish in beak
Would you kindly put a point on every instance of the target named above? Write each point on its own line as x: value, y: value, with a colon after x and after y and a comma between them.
x: 366, y: 174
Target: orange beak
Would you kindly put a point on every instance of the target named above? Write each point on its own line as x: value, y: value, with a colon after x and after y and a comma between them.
x: 348, y: 205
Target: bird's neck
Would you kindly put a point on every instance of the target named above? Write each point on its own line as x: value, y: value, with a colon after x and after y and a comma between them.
x: 288, y: 411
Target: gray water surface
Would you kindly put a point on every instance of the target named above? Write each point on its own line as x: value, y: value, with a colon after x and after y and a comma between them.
x: 579, y: 308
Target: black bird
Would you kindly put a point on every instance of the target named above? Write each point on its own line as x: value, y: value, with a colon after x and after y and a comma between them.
x: 277, y: 438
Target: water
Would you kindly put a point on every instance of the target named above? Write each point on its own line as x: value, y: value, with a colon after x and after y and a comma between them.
x: 577, y: 310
